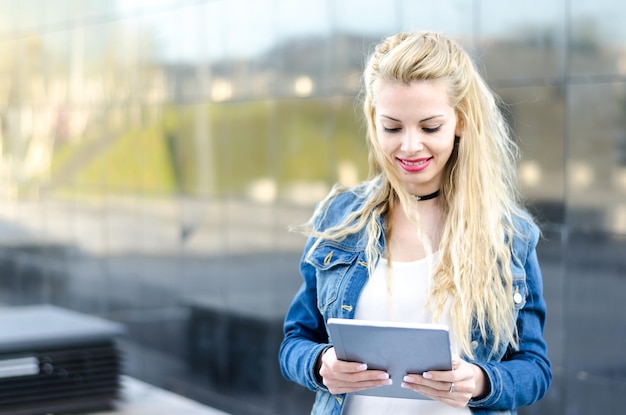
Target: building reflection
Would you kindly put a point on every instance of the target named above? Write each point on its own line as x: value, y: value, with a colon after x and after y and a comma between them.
x: 154, y: 153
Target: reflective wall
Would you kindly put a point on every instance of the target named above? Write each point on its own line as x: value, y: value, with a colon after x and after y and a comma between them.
x: 154, y: 153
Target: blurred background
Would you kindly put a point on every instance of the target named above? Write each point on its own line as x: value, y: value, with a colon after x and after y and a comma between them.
x: 154, y: 152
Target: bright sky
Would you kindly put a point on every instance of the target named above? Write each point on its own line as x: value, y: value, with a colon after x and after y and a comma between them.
x: 242, y: 28
x: 245, y: 28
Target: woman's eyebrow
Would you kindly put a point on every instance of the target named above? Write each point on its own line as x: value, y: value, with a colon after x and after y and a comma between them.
x: 390, y: 118
x: 424, y: 120
x: 432, y: 117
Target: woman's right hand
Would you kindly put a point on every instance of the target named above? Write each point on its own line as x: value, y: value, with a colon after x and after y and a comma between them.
x: 343, y: 377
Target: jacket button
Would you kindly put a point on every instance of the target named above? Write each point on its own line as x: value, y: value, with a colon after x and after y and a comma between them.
x: 474, y: 344
x: 517, y: 297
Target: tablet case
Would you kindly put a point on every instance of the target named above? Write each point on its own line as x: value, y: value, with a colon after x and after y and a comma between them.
x: 397, y: 348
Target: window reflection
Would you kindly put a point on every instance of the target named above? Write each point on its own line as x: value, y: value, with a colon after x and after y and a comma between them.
x: 595, y: 153
x: 524, y: 41
x: 598, y: 36
x: 154, y: 153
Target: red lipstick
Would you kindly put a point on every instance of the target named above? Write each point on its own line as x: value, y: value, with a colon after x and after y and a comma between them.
x: 414, y: 165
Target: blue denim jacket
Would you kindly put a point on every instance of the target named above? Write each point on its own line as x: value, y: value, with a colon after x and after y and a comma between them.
x: 334, y: 275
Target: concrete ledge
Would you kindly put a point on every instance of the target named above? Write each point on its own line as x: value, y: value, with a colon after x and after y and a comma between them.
x: 140, y: 398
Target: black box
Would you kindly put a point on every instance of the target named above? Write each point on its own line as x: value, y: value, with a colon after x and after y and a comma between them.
x: 54, y: 360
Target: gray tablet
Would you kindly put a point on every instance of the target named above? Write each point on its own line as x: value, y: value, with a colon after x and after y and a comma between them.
x: 397, y: 348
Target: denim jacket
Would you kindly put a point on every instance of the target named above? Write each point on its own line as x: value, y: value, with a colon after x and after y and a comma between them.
x: 336, y: 272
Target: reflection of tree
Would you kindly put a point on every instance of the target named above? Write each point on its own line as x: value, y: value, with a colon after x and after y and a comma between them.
x: 585, y: 36
x: 60, y: 89
x: 621, y: 122
x: 26, y: 122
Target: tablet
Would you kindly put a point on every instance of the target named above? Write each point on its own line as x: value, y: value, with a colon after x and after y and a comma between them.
x: 397, y: 348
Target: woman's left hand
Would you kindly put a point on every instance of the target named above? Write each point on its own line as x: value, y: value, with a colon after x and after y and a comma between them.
x: 453, y: 387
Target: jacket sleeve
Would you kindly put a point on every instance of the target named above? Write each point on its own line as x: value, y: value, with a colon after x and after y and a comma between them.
x: 305, y: 334
x: 523, y: 376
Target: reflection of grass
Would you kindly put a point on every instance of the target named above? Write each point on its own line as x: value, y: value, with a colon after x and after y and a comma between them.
x: 136, y: 161
x: 289, y: 140
x: 67, y: 153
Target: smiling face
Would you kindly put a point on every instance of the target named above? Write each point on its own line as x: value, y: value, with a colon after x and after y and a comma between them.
x: 415, y: 128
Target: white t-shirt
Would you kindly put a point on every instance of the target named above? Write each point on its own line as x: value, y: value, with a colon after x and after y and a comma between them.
x: 403, y: 300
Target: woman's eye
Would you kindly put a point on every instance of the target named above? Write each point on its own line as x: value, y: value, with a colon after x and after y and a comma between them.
x: 391, y: 129
x: 431, y: 130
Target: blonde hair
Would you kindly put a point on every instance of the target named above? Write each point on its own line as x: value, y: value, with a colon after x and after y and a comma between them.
x: 479, y: 193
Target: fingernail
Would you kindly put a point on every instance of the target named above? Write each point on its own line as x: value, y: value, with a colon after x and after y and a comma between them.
x: 362, y: 367
x: 383, y: 376
x: 427, y: 375
x: 388, y: 382
x: 407, y: 379
x: 404, y: 385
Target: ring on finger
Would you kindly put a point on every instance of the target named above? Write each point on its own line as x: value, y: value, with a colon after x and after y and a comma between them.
x: 451, y: 388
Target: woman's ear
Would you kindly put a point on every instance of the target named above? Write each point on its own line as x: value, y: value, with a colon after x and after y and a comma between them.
x: 460, y: 125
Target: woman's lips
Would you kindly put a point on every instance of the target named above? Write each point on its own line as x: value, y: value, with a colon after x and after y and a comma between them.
x: 414, y: 165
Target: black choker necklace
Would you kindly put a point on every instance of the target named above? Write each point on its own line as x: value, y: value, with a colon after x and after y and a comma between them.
x: 427, y: 197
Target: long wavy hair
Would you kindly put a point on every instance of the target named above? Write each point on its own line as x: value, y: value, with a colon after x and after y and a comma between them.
x: 479, y: 193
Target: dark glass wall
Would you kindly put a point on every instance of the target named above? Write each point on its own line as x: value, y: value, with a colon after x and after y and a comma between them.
x: 154, y: 153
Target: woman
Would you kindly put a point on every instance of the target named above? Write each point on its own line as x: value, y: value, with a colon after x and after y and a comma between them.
x: 437, y: 234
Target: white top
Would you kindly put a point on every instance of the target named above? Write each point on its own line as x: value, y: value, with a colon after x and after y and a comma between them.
x: 399, y: 298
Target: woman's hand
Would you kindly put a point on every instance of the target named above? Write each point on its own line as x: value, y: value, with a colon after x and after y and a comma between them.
x: 453, y: 387
x: 342, y: 377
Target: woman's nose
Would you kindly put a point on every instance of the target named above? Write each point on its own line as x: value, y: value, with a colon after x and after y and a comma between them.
x: 411, y: 142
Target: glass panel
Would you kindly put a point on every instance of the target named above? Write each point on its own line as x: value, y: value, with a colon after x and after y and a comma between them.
x: 250, y: 30
x: 521, y: 40
x: 365, y: 17
x: 598, y: 38
x: 552, y: 254
x: 89, y: 287
x: 57, y: 64
x: 90, y: 10
x: 154, y: 153
x: 25, y: 15
x: 80, y: 215
x: 454, y: 18
x: 307, y: 18
x: 58, y: 13
x: 7, y: 16
x: 596, y: 158
x: 595, y: 285
x: 319, y: 142
x: 537, y: 115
